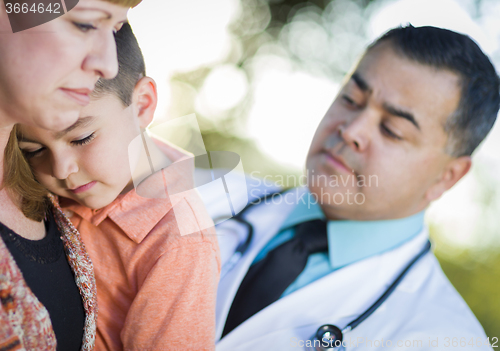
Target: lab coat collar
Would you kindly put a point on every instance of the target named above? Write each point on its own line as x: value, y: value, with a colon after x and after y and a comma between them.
x: 352, y: 241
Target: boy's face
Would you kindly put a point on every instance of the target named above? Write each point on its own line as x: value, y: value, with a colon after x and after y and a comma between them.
x: 379, y: 152
x: 88, y: 162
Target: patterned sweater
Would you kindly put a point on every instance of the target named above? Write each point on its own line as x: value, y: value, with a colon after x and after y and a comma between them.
x: 24, y: 322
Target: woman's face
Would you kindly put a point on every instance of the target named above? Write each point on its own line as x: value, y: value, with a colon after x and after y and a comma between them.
x: 47, y: 72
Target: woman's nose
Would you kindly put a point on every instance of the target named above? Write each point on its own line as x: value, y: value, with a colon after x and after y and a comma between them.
x: 101, y: 58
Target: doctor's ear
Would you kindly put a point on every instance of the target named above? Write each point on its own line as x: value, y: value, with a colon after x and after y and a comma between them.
x: 453, y: 172
x: 145, y: 99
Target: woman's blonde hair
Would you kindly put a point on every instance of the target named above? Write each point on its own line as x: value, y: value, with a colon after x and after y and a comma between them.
x: 126, y: 3
x: 19, y: 179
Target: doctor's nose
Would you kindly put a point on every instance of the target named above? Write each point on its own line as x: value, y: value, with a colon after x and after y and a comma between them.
x: 63, y: 165
x: 356, y: 133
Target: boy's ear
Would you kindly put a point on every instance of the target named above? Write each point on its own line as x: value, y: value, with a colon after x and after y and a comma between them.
x: 453, y: 172
x: 145, y: 99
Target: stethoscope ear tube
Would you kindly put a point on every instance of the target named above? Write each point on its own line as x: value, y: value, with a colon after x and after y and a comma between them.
x: 328, y: 337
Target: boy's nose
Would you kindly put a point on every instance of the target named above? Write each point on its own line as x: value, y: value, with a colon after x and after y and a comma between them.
x: 64, y: 166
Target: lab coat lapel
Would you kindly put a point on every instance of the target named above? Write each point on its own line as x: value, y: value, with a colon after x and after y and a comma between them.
x: 266, y: 220
x: 337, y: 298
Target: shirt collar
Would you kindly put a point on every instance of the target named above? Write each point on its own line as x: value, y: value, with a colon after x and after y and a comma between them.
x: 136, y: 215
x: 351, y: 241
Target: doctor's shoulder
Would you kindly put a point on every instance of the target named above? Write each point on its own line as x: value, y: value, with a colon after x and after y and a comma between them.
x: 432, y: 312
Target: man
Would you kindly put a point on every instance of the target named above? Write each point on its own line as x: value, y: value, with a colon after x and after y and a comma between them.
x: 398, y: 135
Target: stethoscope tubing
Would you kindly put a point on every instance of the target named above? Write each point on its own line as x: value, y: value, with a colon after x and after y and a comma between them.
x: 350, y: 326
x: 339, y: 334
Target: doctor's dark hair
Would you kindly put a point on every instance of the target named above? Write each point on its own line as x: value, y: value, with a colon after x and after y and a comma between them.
x: 131, y: 68
x: 480, y: 96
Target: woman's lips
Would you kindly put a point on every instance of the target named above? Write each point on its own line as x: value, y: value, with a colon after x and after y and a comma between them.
x: 80, y: 96
x: 83, y: 188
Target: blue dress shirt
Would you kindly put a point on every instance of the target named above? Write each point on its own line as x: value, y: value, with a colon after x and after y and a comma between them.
x: 348, y: 241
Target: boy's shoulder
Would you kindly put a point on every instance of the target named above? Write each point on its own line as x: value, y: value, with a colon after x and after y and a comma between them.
x: 171, y: 209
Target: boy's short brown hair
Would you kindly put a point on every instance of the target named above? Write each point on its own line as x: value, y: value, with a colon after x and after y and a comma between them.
x: 131, y: 68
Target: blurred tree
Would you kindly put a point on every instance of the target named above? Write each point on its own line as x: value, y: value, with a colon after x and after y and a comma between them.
x: 479, y: 283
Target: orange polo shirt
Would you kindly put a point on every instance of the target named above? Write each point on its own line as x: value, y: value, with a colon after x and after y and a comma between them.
x: 156, y: 289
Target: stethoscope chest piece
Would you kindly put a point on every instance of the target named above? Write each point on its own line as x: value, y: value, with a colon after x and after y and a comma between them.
x: 329, y: 337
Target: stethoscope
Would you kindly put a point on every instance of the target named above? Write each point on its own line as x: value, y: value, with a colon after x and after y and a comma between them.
x: 328, y: 337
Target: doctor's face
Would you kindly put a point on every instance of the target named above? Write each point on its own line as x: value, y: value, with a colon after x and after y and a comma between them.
x: 47, y: 72
x: 379, y: 152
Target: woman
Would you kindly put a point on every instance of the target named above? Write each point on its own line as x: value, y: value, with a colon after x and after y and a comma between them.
x: 46, y: 75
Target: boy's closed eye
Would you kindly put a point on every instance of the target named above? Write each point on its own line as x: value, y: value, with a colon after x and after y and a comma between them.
x: 84, y: 140
x: 30, y: 149
x: 33, y: 149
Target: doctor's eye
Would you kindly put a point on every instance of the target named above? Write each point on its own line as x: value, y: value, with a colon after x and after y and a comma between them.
x: 388, y: 132
x: 84, y: 140
x: 349, y: 102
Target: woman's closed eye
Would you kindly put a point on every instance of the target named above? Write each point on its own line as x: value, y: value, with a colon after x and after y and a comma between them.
x: 84, y: 27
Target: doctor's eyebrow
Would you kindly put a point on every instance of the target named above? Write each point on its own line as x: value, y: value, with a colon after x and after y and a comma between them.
x: 395, y: 111
x: 81, y: 122
x: 361, y: 83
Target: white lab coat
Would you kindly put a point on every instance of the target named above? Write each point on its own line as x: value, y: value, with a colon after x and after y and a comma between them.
x: 424, y: 311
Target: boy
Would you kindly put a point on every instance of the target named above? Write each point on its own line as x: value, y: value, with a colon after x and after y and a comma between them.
x: 154, y: 285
